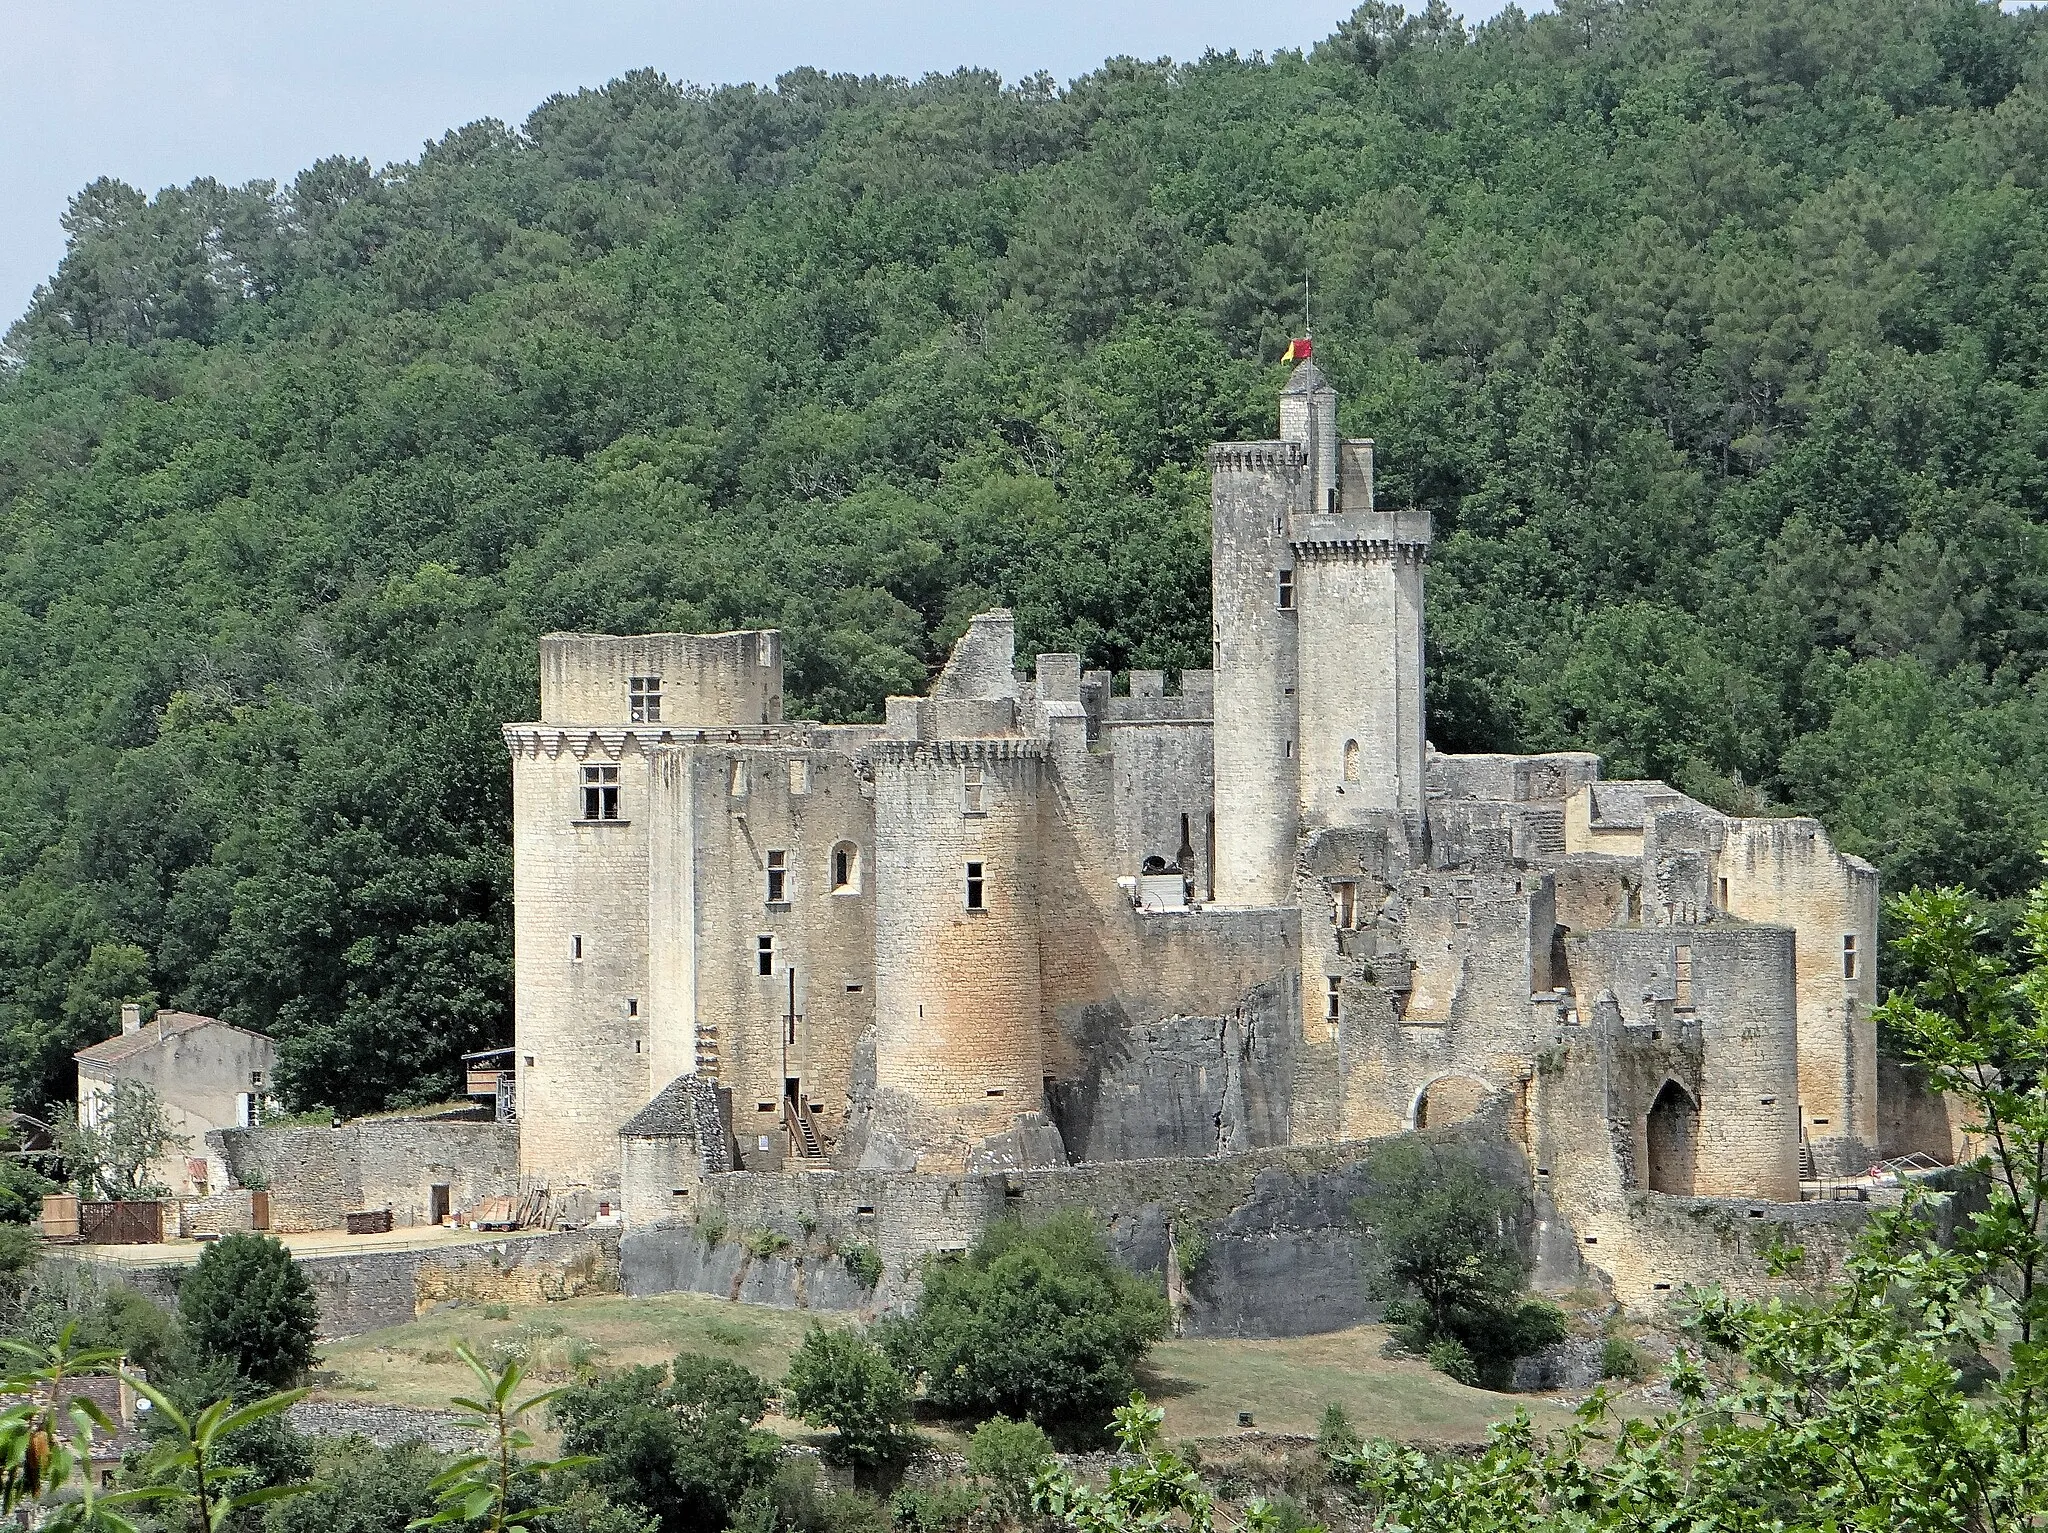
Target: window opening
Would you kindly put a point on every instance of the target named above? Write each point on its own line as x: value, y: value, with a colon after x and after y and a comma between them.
x: 1850, y: 956
x: 739, y: 780
x: 842, y: 866
x: 972, y: 790
x: 799, y: 777
x: 644, y: 698
x: 1287, y: 590
x: 1347, y: 906
x: 1334, y: 1003
x: 576, y: 949
x: 778, y: 878
x: 600, y: 793
x: 764, y: 953
x: 1724, y: 894
x: 632, y: 1006
x: 1351, y: 761
x: 975, y: 887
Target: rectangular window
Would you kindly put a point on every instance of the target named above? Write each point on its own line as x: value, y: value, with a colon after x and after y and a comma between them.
x: 644, y: 698
x: 764, y: 953
x: 1334, y: 1003
x: 1849, y: 956
x: 632, y: 1006
x: 575, y: 950
x: 1724, y: 894
x: 975, y: 888
x: 600, y: 793
x: 1287, y: 590
x: 739, y: 779
x: 778, y: 878
x: 971, y: 790
x: 1347, y: 906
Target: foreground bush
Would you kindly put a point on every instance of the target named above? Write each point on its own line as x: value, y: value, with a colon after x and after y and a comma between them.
x: 248, y: 1302
x: 1036, y: 1322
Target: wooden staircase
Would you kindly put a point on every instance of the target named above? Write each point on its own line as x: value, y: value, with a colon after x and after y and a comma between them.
x: 803, y: 1137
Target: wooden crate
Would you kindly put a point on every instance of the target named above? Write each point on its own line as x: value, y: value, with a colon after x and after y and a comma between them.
x: 370, y: 1221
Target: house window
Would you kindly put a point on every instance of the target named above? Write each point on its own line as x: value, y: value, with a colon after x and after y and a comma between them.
x: 764, y: 953
x: 778, y: 878
x: 1333, y: 1004
x: 1850, y: 957
x: 972, y: 800
x: 1287, y: 590
x: 1347, y: 905
x: 845, y: 868
x: 600, y: 793
x: 245, y: 1110
x: 644, y: 698
x: 975, y: 887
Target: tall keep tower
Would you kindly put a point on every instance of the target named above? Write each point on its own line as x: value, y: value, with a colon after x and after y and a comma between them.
x: 1317, y: 609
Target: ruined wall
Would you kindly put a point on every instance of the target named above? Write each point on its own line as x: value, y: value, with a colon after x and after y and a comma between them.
x: 1787, y: 872
x: 1164, y: 793
x: 1915, y: 1119
x: 743, y: 812
x: 317, y: 1176
x: 1732, y: 982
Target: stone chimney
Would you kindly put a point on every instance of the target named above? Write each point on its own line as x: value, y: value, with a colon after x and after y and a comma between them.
x: 131, y: 1017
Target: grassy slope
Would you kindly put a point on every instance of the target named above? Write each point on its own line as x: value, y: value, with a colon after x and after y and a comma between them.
x: 1202, y: 1384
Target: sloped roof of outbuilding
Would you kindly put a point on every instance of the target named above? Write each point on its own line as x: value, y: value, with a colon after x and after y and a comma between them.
x: 164, y: 1025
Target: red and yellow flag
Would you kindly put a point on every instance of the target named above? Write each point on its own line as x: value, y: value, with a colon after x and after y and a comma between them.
x: 1298, y: 351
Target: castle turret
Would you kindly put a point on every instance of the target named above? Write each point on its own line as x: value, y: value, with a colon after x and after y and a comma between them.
x: 1317, y: 616
x: 959, y: 1067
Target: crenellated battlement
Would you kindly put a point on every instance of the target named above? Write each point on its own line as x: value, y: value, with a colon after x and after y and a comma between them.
x: 936, y: 753
x: 1258, y: 458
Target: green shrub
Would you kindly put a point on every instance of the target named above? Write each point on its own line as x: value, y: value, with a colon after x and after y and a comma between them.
x: 935, y: 1509
x: 1005, y: 1456
x: 497, y: 1312
x: 764, y: 1243
x: 1191, y: 1249
x: 864, y: 1262
x: 1036, y: 1322
x: 1620, y: 1358
x: 1436, y: 1216
x: 1334, y: 1433
x: 840, y: 1379
x: 711, y: 1225
x: 1448, y: 1356
x: 248, y: 1302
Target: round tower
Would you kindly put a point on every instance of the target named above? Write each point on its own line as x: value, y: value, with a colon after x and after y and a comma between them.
x: 957, y: 1051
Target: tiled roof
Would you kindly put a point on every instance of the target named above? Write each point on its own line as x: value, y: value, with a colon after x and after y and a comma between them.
x: 165, y: 1024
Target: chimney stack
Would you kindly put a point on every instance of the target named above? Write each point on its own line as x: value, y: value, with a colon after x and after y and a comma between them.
x: 131, y: 1017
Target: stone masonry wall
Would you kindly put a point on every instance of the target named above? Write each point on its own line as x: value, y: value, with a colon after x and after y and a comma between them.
x: 317, y: 1176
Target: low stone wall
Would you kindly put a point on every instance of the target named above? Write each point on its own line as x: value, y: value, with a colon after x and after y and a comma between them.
x: 1281, y: 1254
x: 316, y: 1176
x: 1915, y: 1119
x: 384, y: 1425
x: 367, y: 1290
x: 224, y: 1213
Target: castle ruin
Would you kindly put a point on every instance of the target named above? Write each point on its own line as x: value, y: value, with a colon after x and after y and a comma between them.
x: 1028, y: 921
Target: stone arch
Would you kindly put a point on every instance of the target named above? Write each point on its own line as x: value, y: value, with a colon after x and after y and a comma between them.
x: 1672, y: 1141
x: 1448, y: 1099
x: 1351, y: 761
x: 843, y: 868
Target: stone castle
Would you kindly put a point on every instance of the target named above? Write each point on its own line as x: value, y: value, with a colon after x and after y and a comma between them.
x: 1032, y: 920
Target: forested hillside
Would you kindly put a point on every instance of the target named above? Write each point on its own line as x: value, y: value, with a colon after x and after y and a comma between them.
x: 1712, y: 332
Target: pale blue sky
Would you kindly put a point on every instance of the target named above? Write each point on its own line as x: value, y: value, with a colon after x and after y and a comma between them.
x: 157, y: 94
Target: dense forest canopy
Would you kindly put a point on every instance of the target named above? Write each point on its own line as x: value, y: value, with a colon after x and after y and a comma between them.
x: 1711, y: 332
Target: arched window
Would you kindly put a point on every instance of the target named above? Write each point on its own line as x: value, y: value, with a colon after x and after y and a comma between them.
x: 1351, y: 761
x: 846, y: 868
